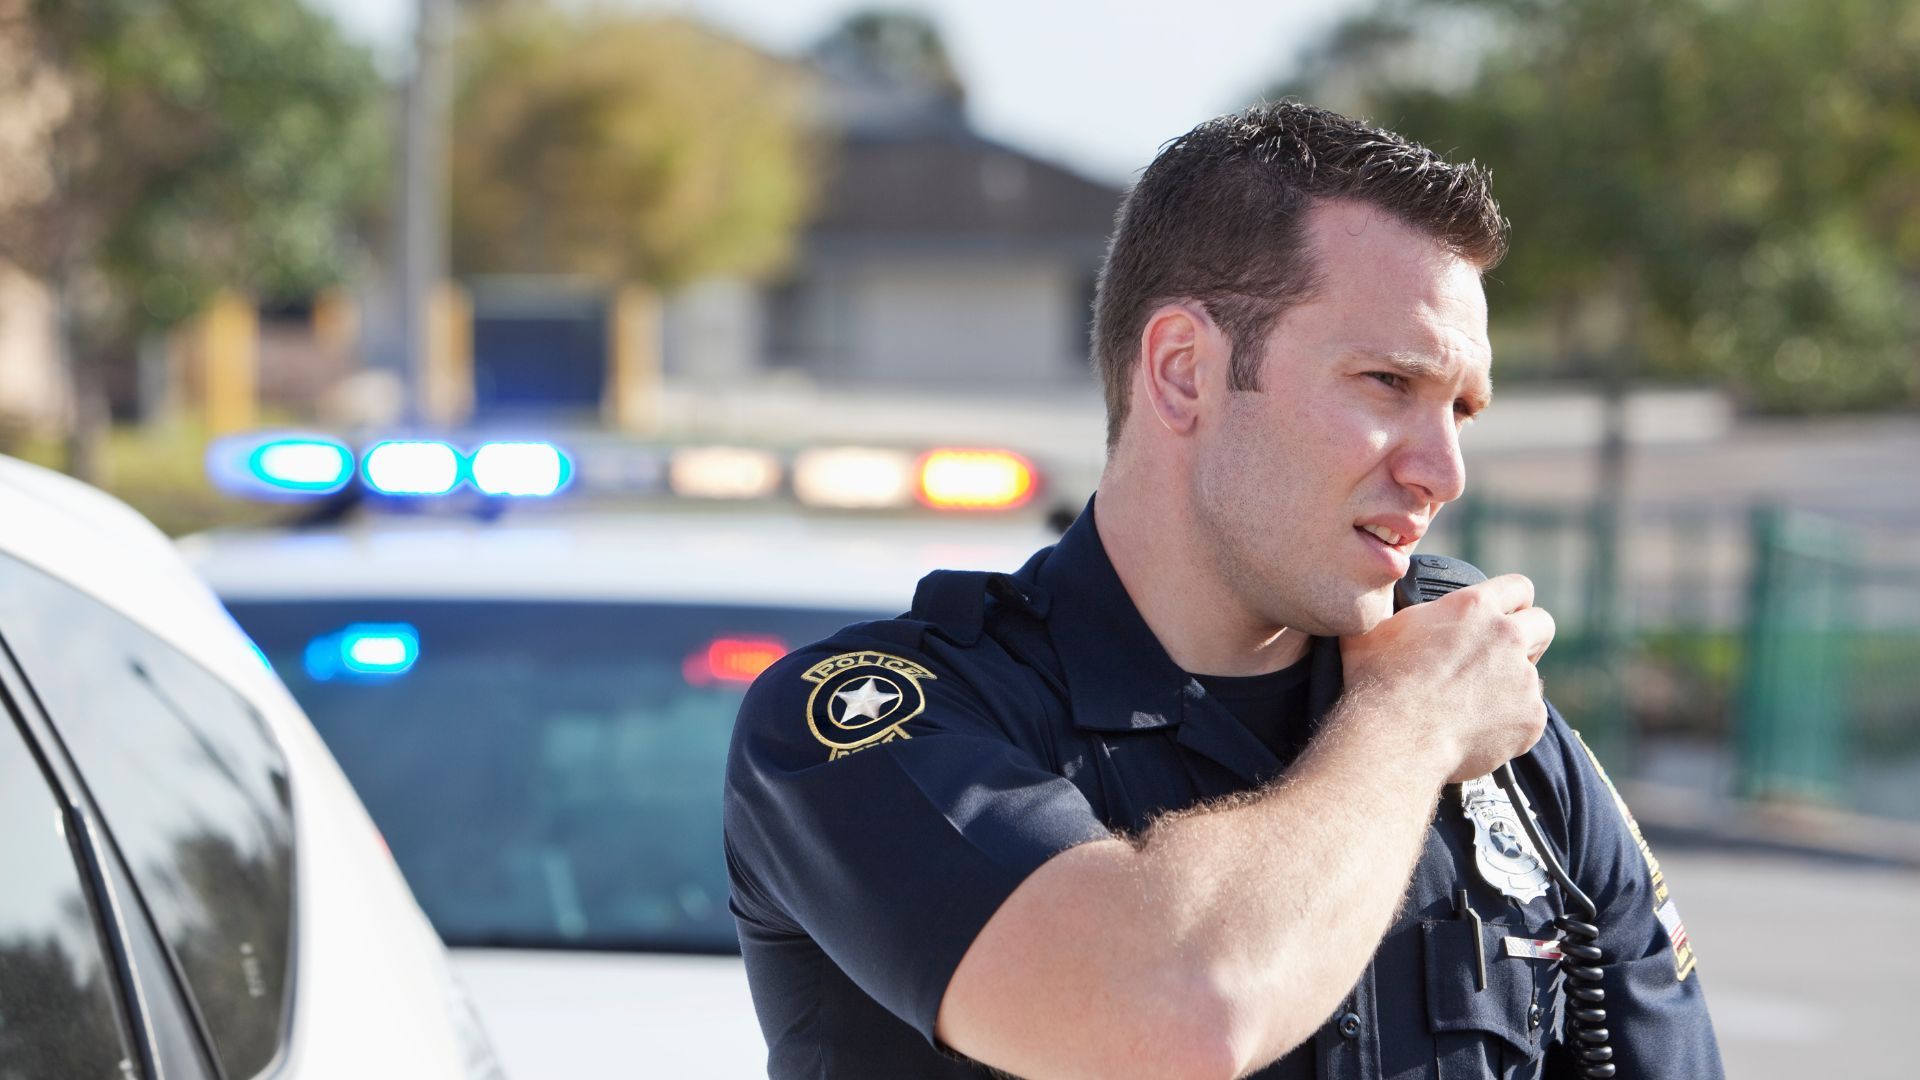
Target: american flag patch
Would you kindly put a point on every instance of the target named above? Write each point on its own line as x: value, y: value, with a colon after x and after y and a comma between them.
x: 1669, y: 916
x: 1533, y: 949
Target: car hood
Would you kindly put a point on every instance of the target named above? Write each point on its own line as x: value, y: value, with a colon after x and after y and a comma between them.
x: 556, y: 1015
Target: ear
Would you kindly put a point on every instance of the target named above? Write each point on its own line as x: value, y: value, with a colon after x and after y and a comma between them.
x: 1180, y: 350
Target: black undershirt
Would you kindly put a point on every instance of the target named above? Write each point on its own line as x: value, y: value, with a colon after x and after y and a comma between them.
x: 1272, y: 706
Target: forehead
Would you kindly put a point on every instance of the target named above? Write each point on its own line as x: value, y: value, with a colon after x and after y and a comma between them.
x: 1386, y: 287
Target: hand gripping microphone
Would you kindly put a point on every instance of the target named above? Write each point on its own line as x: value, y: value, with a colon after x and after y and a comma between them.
x: 1431, y: 577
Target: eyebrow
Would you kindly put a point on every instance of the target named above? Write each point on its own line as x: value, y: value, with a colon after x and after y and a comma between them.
x: 1422, y: 366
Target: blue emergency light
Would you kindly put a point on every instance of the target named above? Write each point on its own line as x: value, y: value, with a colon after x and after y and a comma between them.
x: 520, y: 469
x: 411, y: 467
x: 279, y: 466
x: 363, y: 649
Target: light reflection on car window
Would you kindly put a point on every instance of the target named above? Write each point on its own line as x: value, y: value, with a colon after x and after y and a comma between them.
x: 193, y: 790
x: 57, y: 1006
x: 546, y: 774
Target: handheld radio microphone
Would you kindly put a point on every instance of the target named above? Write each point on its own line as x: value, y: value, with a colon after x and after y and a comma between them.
x: 1431, y: 577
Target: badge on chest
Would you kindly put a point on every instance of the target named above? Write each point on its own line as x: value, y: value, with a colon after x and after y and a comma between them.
x: 1506, y: 858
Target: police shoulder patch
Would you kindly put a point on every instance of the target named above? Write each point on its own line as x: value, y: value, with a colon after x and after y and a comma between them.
x: 862, y: 699
x: 1664, y: 909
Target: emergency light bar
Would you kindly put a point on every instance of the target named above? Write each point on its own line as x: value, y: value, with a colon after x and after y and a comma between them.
x: 300, y: 466
x: 297, y: 466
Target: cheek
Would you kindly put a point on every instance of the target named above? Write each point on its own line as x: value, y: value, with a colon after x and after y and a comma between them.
x: 1293, y: 459
x: 1344, y: 444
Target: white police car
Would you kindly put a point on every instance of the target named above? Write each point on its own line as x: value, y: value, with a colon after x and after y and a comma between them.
x: 536, y: 706
x: 188, y: 887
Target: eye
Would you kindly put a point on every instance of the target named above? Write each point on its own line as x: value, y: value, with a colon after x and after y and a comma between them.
x: 1464, y: 412
x: 1389, y: 378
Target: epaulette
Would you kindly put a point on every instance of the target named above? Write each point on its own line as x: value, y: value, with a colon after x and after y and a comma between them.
x: 955, y: 602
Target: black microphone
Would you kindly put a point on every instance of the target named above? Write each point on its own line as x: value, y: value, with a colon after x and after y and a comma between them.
x: 1431, y: 577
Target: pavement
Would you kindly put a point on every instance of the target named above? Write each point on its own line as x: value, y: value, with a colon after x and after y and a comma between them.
x: 1802, y: 920
x: 1809, y: 960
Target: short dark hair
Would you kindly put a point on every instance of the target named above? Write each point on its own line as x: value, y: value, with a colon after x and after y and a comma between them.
x: 1220, y: 218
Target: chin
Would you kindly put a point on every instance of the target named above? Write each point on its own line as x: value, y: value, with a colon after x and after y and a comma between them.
x: 1356, y: 616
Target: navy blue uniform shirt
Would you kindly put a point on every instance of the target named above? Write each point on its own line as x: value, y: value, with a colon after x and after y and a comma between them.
x: 889, y: 787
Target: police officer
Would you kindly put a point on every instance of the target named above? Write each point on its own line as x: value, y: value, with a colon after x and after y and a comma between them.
x: 1182, y: 796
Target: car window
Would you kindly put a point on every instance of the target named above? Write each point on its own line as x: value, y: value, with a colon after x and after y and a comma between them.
x: 58, y: 1009
x: 193, y: 790
x: 546, y: 774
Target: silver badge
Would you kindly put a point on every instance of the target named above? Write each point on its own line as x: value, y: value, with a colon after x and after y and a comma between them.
x: 1506, y: 857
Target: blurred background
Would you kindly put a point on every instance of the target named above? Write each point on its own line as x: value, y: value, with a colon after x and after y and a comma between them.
x: 762, y: 222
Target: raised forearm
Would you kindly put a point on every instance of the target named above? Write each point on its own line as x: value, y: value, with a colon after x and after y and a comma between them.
x: 1282, y: 897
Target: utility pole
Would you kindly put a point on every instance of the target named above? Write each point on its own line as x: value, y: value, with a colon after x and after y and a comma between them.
x: 422, y: 228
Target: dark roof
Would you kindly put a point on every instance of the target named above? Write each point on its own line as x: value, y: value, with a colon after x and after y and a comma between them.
x: 935, y: 184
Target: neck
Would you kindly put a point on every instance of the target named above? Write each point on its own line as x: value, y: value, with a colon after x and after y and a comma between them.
x: 1174, y: 583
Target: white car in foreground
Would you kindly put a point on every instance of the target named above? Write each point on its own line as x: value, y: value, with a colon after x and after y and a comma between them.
x: 536, y: 712
x: 190, y: 889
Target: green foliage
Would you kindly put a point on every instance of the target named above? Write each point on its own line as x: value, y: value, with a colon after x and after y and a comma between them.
x: 1725, y: 184
x: 622, y: 146
x: 162, y: 473
x: 208, y: 143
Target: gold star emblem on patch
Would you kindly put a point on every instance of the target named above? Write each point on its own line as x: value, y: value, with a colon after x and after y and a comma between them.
x: 862, y: 699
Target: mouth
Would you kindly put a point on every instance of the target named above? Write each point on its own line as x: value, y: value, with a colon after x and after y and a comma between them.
x: 1389, y: 538
x: 1392, y: 551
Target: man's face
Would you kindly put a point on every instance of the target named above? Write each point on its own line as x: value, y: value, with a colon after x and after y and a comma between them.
x: 1313, y: 491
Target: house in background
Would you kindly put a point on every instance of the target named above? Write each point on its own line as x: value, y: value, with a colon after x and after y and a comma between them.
x: 937, y: 257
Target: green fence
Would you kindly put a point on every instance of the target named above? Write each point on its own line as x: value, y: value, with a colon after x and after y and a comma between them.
x: 1797, y: 675
x: 1780, y: 649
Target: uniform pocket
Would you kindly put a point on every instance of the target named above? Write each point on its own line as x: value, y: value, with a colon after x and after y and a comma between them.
x: 1499, y: 1031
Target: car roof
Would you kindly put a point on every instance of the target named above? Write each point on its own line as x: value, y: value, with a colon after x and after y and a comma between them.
x: 743, y: 557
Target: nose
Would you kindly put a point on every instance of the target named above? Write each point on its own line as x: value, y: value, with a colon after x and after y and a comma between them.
x: 1429, y: 460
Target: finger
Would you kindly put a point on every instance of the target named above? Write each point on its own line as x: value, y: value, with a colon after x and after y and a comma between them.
x: 1536, y: 630
x: 1511, y: 592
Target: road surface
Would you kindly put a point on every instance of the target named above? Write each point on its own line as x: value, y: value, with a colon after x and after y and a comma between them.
x: 1812, y: 965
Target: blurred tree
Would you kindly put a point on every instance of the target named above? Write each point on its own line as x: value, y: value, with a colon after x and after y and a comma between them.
x: 624, y: 146
x: 1697, y: 186
x: 897, y: 48
x: 177, y: 146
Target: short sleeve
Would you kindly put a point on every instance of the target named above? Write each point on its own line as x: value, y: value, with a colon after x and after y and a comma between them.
x: 873, y: 806
x: 1656, y: 1010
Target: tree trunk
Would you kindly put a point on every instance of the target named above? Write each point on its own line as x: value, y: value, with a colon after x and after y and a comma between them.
x: 87, y: 419
x: 86, y: 445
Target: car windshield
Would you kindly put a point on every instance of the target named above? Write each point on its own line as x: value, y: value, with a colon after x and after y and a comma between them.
x: 547, y: 774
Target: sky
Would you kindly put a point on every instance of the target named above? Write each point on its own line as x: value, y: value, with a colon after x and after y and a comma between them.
x: 1096, y: 85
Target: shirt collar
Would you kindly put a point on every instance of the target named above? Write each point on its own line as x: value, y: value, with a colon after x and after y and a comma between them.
x: 1120, y: 678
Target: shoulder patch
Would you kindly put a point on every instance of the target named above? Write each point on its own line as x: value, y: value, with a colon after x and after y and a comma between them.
x: 862, y: 699
x: 1663, y: 906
